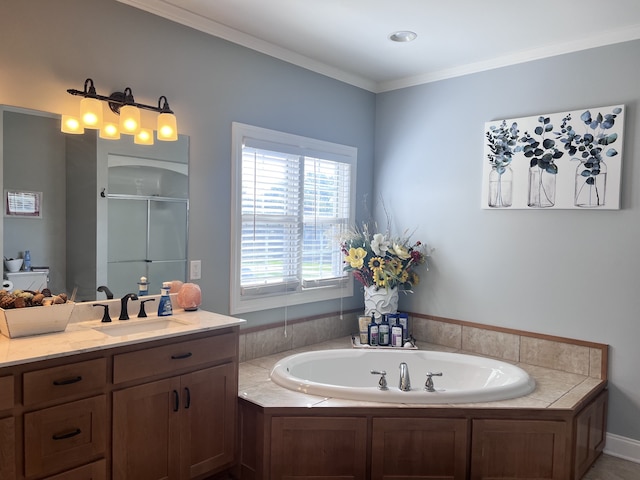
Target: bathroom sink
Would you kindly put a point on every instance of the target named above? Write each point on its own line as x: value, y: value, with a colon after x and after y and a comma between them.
x: 140, y: 326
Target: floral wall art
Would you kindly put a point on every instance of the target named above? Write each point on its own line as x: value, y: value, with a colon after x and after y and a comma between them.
x: 569, y: 160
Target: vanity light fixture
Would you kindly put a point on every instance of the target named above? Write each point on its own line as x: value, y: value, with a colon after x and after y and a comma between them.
x: 124, y: 105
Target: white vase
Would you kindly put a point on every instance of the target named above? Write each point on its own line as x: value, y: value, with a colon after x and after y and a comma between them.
x: 380, y: 301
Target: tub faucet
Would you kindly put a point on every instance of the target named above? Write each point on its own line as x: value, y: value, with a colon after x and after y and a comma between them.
x: 405, y: 382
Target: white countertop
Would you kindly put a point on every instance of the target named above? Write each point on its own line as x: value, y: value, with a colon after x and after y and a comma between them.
x: 82, y: 337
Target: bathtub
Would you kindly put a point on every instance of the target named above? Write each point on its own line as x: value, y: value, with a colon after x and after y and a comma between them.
x: 346, y: 373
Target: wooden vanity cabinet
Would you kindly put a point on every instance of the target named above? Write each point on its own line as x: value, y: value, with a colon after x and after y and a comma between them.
x: 7, y: 429
x: 158, y: 409
x: 182, y: 426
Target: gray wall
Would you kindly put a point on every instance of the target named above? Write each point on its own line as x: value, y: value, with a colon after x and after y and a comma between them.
x: 563, y: 272
x: 48, y: 47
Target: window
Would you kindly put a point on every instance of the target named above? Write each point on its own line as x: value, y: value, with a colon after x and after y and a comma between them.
x: 292, y: 198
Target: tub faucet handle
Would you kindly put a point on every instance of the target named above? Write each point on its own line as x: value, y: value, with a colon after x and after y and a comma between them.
x: 428, y: 386
x: 382, y: 384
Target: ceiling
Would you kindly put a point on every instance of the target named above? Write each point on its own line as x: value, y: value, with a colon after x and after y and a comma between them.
x: 348, y: 39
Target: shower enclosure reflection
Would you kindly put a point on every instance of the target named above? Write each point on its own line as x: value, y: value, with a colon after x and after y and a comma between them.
x: 112, y: 211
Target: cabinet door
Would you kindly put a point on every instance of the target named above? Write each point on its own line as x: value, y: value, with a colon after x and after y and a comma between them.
x: 7, y: 449
x: 523, y: 449
x: 419, y: 448
x: 209, y: 410
x: 590, y: 434
x: 319, y: 448
x: 146, y: 431
x: 64, y: 436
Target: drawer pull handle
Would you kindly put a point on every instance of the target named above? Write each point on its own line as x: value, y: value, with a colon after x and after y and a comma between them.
x: 180, y: 356
x: 176, y: 401
x: 67, y: 381
x: 188, y: 402
x: 63, y: 436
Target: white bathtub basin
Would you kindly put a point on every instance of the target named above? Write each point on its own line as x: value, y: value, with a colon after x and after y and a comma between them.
x: 347, y: 374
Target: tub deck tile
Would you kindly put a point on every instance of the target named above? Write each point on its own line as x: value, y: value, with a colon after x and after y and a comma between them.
x: 554, y: 388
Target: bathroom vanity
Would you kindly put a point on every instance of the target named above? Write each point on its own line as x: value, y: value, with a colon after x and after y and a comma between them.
x: 83, y: 404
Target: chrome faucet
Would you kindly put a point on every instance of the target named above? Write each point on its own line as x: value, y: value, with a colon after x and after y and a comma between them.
x: 124, y: 310
x: 405, y: 382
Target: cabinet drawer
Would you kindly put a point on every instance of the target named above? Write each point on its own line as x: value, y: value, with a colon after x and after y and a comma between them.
x: 170, y: 358
x: 93, y: 471
x: 6, y: 392
x: 65, y: 436
x: 57, y: 383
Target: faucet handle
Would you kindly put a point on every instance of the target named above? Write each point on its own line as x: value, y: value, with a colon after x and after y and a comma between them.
x: 382, y: 383
x: 105, y: 316
x: 142, y: 313
x: 428, y: 386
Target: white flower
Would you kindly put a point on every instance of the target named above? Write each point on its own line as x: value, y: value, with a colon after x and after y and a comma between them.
x: 401, y: 251
x: 379, y: 244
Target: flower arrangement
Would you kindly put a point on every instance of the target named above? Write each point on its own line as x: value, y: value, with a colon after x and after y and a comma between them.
x: 382, y: 260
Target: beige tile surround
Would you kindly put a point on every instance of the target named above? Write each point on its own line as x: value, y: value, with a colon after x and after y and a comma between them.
x: 567, y: 355
x: 565, y: 370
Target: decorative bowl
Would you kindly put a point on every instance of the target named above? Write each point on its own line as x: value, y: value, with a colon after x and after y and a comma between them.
x: 27, y: 321
x: 13, y: 265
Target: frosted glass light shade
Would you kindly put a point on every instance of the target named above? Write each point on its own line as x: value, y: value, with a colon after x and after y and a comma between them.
x: 91, y: 112
x: 144, y: 137
x: 129, y: 119
x: 110, y: 131
x: 71, y: 124
x: 167, y: 127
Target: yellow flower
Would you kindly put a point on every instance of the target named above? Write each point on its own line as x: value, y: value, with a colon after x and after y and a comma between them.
x: 356, y: 257
x: 379, y: 277
x: 396, y: 266
x: 401, y: 251
x: 404, y: 277
x: 376, y: 263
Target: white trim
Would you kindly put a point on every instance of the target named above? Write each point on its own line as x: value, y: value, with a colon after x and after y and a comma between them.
x: 255, y: 136
x: 622, y: 447
x: 183, y: 16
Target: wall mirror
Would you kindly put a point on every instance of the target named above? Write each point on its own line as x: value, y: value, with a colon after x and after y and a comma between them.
x: 111, y: 211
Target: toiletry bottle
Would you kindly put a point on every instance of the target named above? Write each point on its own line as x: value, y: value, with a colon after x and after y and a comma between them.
x: 27, y: 261
x: 403, y: 320
x: 396, y: 334
x: 373, y: 332
x: 383, y: 332
x: 143, y: 287
x: 164, y: 307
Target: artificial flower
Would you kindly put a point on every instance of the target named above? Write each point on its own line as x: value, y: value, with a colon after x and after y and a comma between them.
x: 381, y: 259
x: 379, y: 244
x: 356, y: 257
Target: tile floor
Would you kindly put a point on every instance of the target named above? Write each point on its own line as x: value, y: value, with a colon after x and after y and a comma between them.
x: 613, y: 468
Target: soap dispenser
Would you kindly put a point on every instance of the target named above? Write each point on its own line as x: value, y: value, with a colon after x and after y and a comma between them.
x: 164, y: 307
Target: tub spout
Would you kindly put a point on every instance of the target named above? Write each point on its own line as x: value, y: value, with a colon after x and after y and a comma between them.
x: 405, y: 382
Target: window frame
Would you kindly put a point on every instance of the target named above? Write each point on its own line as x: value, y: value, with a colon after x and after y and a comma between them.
x: 312, y: 148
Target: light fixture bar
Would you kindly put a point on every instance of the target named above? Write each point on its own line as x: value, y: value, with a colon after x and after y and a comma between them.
x: 119, y: 99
